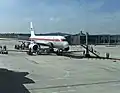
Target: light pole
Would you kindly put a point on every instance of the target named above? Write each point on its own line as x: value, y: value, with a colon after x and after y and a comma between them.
x: 87, y: 50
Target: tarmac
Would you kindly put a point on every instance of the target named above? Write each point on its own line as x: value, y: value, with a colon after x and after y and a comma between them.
x: 21, y: 73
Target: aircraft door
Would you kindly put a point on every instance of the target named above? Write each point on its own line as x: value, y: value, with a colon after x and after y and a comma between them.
x: 54, y: 43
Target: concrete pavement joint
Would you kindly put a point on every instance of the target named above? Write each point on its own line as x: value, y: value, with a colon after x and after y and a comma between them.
x: 32, y: 61
x: 75, y: 85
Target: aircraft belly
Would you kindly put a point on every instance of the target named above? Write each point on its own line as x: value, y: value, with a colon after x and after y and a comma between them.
x: 41, y: 42
x: 58, y: 45
x: 55, y: 44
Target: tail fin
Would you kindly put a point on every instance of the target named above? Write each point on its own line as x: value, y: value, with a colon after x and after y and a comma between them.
x: 32, y: 30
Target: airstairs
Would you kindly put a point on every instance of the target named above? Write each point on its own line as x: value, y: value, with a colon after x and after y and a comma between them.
x: 93, y: 51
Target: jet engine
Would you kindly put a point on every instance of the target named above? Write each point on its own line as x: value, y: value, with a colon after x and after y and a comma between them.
x: 33, y: 47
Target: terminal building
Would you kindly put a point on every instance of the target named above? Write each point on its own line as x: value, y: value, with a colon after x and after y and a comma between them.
x: 93, y: 39
x: 76, y: 39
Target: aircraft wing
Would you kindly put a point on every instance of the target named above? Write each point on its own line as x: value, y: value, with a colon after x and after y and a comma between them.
x: 26, y: 41
x: 29, y: 41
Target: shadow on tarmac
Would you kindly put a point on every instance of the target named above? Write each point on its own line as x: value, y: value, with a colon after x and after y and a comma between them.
x: 12, y: 82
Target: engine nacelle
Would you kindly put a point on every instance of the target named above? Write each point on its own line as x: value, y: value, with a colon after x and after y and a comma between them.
x: 33, y: 47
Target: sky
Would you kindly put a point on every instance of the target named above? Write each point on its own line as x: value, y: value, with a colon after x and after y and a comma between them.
x: 69, y: 16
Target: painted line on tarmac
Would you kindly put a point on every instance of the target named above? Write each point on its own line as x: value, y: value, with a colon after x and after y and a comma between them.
x: 32, y: 61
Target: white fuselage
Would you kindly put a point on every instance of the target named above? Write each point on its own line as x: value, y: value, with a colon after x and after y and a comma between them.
x: 57, y: 41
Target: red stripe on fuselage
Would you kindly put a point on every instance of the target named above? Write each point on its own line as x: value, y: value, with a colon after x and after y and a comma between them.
x: 44, y: 39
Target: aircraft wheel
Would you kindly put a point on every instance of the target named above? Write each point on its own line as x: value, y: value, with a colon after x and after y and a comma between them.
x: 2, y: 52
x: 29, y: 52
x: 22, y: 48
x: 59, y: 52
x: 5, y: 52
x: 51, y: 50
x: 38, y: 53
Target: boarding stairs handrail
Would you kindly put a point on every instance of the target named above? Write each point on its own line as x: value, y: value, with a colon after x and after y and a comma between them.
x: 92, y: 51
x: 98, y: 53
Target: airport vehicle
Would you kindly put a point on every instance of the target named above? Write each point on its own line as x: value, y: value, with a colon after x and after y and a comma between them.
x: 54, y: 42
x: 3, y: 50
x: 22, y: 46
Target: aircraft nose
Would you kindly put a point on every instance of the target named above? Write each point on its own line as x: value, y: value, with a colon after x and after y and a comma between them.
x: 66, y: 44
x: 66, y: 49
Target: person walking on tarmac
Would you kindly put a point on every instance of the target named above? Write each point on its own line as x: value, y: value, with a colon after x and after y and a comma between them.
x: 107, y: 55
x: 84, y: 53
x: 0, y: 49
x: 4, y: 48
x: 92, y: 49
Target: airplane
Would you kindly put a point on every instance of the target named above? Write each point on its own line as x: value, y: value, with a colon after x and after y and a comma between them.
x: 58, y: 42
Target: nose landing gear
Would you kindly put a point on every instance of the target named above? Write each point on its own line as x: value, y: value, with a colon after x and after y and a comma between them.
x: 59, y: 52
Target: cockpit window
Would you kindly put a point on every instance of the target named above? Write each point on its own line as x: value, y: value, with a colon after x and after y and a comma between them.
x: 64, y: 40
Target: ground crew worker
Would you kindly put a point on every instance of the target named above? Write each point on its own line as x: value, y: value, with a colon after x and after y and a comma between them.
x: 24, y: 44
x: 84, y: 53
x: 0, y: 49
x: 4, y: 48
x: 91, y: 48
x: 107, y: 55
